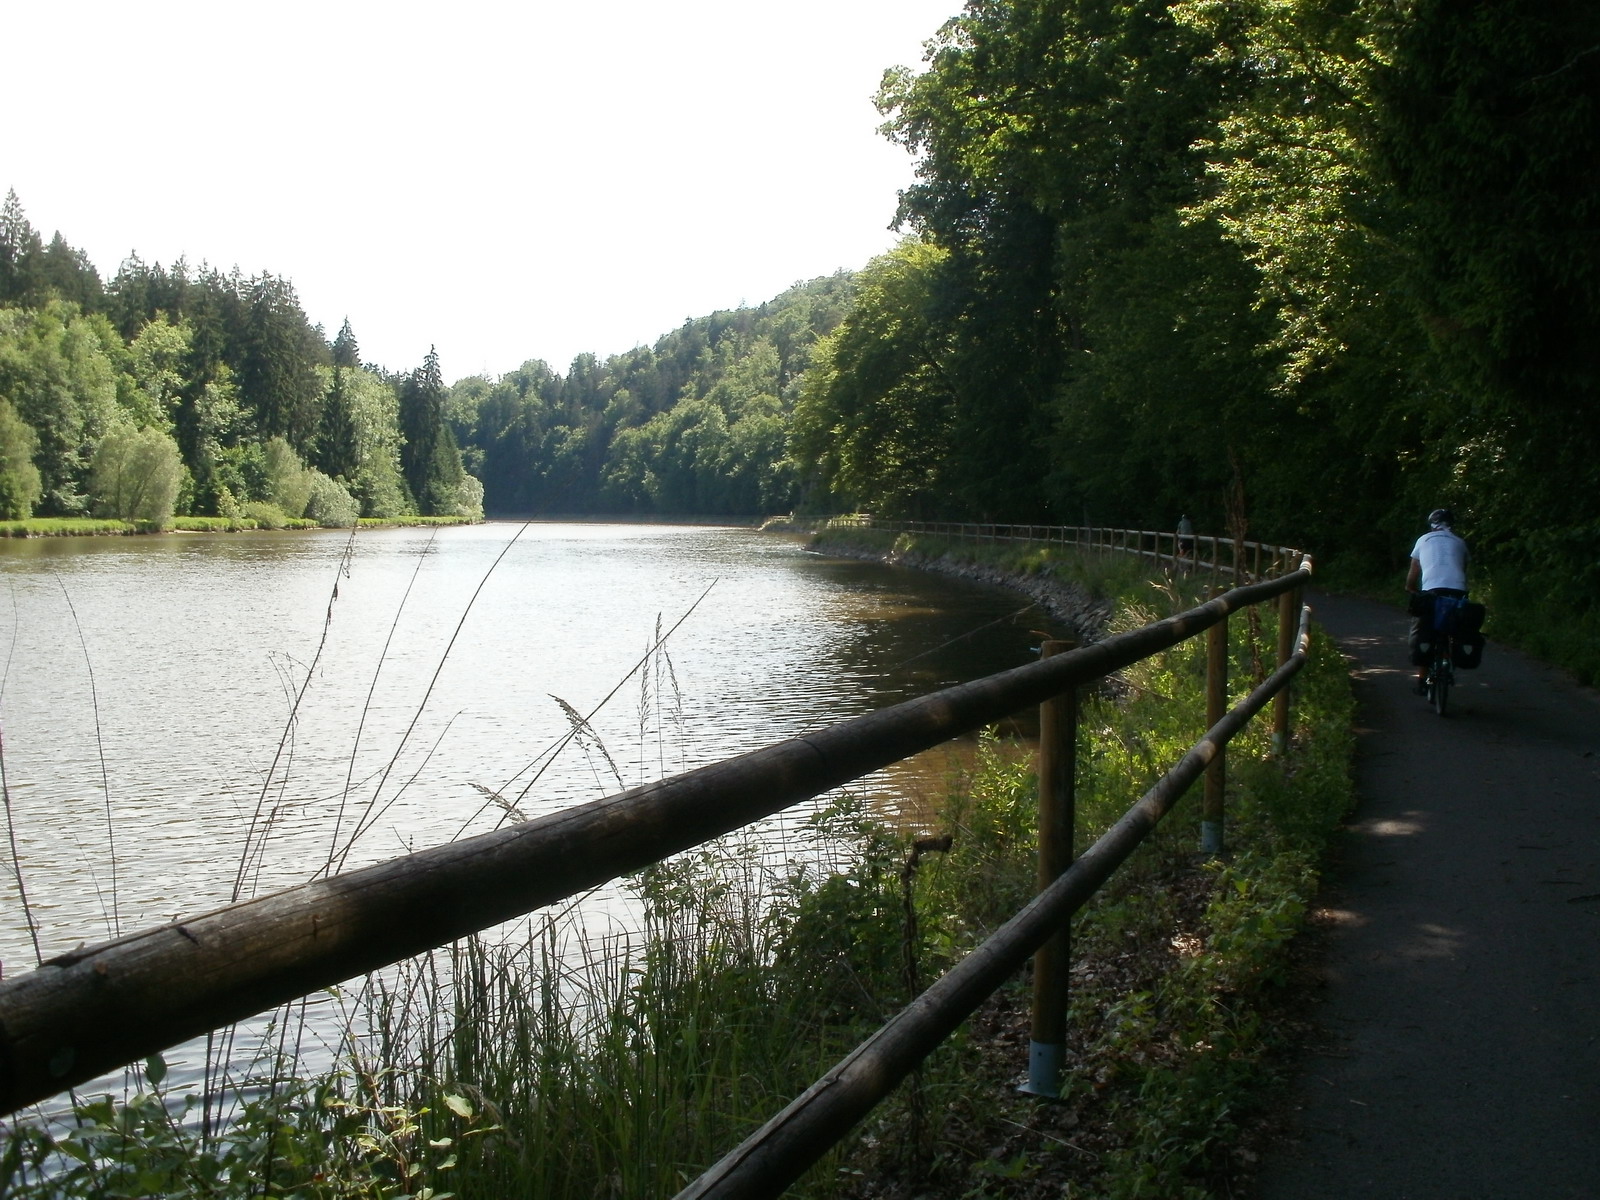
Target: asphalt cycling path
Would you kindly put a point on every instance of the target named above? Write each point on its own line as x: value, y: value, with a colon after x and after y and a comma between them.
x: 1458, y: 1055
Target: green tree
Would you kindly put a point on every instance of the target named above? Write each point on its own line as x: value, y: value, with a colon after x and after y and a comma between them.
x: 429, y: 457
x: 157, y: 361
x: 875, y: 418
x: 67, y: 273
x: 137, y: 474
x: 346, y: 353
x: 56, y: 373
x: 288, y: 483
x: 339, y: 441
x: 20, y: 486
x: 1177, y: 391
x: 548, y: 443
x: 1486, y: 135
x: 277, y: 370
x: 1050, y: 138
x: 372, y: 407
x: 22, y: 266
x: 329, y: 503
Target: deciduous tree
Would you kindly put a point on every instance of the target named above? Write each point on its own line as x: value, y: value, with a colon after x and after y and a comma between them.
x: 20, y: 486
x: 137, y: 474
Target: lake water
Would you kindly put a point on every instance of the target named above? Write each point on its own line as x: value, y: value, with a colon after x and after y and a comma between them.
x: 191, y: 718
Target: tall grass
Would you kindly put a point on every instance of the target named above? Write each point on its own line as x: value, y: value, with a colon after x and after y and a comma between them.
x: 264, y: 518
x: 558, y: 1063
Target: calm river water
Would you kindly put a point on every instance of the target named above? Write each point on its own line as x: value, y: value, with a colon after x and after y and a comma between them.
x: 158, y: 763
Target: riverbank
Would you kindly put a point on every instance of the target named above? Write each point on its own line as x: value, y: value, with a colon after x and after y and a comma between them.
x: 1191, y: 980
x: 105, y: 527
x: 488, y: 1069
x: 1075, y: 592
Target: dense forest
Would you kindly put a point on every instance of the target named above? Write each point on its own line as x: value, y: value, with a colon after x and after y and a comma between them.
x: 1303, y: 267
x: 1300, y: 268
x: 186, y: 390
x: 192, y: 391
x: 696, y: 424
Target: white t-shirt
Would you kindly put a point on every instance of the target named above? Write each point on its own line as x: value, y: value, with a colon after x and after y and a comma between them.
x: 1443, y: 556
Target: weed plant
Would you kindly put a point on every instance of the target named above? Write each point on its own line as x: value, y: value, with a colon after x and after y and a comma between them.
x: 553, y: 1064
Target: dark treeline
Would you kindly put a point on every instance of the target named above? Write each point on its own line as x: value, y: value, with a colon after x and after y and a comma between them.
x: 218, y: 386
x: 1302, y: 269
x: 1310, y: 267
x: 200, y: 392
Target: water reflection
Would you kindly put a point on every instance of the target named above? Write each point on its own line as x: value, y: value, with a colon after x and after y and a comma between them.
x: 192, y: 716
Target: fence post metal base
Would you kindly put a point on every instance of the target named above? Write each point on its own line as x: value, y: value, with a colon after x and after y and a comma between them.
x: 1211, y: 837
x: 1045, y: 1060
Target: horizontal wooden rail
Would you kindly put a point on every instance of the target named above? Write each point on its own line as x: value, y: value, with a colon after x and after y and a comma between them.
x: 95, y: 1009
x: 1248, y: 559
x: 775, y: 1155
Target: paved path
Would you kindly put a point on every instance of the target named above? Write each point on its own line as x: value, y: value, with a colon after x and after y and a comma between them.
x: 1462, y: 1009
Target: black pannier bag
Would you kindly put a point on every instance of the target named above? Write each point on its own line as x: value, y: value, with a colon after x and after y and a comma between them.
x: 1461, y: 618
x: 1422, y: 646
x: 1467, y: 651
x: 1466, y: 647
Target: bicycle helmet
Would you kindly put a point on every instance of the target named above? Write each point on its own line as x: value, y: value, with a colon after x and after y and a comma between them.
x: 1441, y: 518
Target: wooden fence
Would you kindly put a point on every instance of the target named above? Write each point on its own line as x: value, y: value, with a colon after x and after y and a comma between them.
x: 97, y: 1008
x: 1218, y: 558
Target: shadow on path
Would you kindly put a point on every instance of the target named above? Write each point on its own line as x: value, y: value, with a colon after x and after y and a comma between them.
x: 1461, y: 1017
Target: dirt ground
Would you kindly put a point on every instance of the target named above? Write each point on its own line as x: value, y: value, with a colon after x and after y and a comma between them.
x: 1456, y: 1042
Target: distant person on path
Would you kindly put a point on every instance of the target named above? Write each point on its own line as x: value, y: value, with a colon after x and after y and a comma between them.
x: 1438, y: 568
x: 1185, y: 537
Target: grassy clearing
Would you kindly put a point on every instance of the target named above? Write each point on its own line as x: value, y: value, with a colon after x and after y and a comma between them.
x: 62, y: 527
x: 553, y: 1065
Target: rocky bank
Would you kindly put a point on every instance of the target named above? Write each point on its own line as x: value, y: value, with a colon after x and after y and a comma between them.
x: 1085, y: 616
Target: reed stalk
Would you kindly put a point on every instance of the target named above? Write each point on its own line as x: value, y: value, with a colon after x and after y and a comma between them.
x: 553, y: 1062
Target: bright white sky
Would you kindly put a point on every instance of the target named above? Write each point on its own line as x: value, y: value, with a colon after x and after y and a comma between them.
x: 504, y: 180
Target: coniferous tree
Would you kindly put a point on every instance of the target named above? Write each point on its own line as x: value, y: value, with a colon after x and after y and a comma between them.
x: 277, y: 372
x: 345, y: 351
x: 68, y: 273
x: 338, y: 446
x: 430, y: 458
x: 21, y: 256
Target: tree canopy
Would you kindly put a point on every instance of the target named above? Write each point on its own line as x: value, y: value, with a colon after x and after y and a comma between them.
x: 98, y: 382
x: 1302, y: 269
x: 1313, y: 266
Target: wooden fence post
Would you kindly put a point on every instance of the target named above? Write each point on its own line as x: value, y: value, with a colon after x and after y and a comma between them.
x: 1288, y: 612
x: 1216, y: 704
x: 1052, y: 963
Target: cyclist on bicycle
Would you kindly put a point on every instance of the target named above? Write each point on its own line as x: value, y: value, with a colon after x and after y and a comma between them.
x: 1438, y: 567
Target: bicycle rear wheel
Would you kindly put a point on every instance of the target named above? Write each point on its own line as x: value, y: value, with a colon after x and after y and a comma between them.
x: 1439, y: 685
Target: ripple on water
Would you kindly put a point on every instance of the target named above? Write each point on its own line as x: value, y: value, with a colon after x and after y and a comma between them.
x: 199, y: 689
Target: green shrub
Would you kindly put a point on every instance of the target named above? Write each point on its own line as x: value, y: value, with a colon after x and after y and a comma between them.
x: 329, y: 504
x: 135, y: 475
x: 263, y: 515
